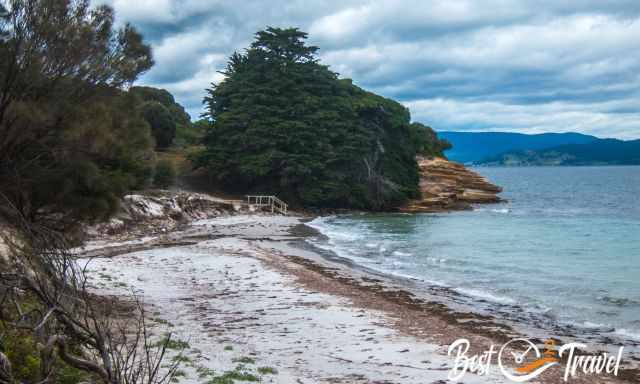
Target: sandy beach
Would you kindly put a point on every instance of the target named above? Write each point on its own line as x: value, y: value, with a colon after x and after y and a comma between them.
x: 244, y: 297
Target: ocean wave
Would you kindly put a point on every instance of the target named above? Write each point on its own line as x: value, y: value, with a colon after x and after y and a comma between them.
x: 595, y: 326
x: 619, y: 301
x: 493, y: 210
x: 477, y: 293
x: 633, y: 334
x: 402, y: 254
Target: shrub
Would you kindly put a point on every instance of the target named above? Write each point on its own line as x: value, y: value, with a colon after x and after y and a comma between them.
x: 165, y: 174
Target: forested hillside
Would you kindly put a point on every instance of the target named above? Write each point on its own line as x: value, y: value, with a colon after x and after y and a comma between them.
x: 598, y: 152
x: 283, y: 123
x: 471, y: 147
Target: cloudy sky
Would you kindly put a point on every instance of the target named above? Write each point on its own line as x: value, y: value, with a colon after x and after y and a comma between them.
x: 502, y: 65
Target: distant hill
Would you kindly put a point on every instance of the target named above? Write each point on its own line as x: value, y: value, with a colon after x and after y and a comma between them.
x: 598, y: 152
x: 470, y: 147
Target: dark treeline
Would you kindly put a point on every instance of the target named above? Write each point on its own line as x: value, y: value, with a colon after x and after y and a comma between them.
x: 283, y: 123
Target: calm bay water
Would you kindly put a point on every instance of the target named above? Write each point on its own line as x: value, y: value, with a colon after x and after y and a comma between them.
x: 564, y: 249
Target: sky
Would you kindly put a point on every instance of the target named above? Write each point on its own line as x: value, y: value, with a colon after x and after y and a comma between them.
x: 494, y: 65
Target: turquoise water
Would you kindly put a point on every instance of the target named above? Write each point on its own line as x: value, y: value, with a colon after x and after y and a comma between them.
x: 563, y: 254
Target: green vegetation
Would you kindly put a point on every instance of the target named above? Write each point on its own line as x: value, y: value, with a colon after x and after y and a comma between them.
x: 283, y: 123
x: 22, y: 350
x: 72, y: 140
x: 190, y: 135
x: 230, y: 377
x: 267, y: 371
x: 244, y: 360
x: 165, y: 117
x: 165, y: 174
x: 173, y: 344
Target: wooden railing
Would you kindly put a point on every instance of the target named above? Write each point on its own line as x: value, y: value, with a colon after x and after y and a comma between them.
x: 273, y: 202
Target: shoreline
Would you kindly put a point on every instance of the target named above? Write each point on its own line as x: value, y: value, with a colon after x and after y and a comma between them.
x: 276, y: 244
x: 514, y: 317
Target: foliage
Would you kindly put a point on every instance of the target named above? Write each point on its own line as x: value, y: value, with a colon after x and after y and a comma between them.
x: 192, y: 134
x: 267, y: 371
x: 283, y: 123
x: 426, y: 141
x: 166, y: 117
x: 239, y: 373
x: 165, y: 175
x: 70, y: 141
x: 161, y: 122
x: 22, y: 350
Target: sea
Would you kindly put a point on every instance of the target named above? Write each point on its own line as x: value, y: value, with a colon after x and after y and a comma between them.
x: 562, y: 256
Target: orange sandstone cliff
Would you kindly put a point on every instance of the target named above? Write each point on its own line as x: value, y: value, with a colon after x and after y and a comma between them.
x: 446, y: 185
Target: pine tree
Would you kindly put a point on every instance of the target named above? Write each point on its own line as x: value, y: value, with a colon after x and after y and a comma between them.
x: 283, y: 123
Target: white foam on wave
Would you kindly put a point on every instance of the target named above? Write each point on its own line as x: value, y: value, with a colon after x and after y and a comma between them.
x: 588, y: 324
x: 627, y: 333
x: 402, y: 254
x: 485, y: 295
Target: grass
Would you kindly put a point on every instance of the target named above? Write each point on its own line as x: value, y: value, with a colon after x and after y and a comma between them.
x: 172, y: 344
x: 239, y: 373
x: 177, y: 375
x: 162, y: 321
x: 244, y: 360
x: 181, y: 359
x: 205, y: 372
x: 230, y: 377
x: 267, y: 371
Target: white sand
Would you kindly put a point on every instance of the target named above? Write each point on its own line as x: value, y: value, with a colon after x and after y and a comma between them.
x: 219, y: 293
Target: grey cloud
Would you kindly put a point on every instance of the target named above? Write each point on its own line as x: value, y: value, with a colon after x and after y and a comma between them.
x: 511, y: 65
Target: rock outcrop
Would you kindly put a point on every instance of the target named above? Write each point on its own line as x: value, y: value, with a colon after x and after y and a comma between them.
x: 446, y: 185
x: 155, y: 212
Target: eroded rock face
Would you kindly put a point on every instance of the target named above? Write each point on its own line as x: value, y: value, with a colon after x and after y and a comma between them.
x: 160, y: 212
x: 446, y: 185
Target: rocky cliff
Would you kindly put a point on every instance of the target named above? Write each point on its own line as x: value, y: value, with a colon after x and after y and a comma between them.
x: 446, y: 185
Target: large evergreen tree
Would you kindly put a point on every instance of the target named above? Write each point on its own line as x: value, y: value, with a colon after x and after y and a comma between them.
x: 283, y: 123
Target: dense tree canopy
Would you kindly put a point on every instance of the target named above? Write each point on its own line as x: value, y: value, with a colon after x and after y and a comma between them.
x: 283, y: 123
x: 70, y: 141
x: 426, y: 141
x: 165, y: 116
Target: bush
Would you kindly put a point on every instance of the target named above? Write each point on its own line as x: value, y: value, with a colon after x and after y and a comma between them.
x: 165, y: 174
